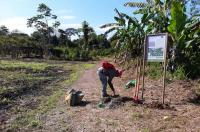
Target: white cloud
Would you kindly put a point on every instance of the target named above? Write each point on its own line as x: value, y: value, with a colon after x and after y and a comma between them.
x: 68, y: 17
x: 18, y: 23
x: 72, y: 25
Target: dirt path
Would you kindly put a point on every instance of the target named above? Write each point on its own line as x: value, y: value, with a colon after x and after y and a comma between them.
x: 90, y: 117
x: 128, y: 117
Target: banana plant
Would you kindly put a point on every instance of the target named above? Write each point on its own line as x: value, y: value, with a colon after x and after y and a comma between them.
x: 186, y: 38
x: 119, y: 27
x: 190, y: 47
x: 129, y: 34
x: 157, y: 12
x: 176, y: 29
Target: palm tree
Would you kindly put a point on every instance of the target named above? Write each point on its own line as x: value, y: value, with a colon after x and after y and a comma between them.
x: 87, y: 30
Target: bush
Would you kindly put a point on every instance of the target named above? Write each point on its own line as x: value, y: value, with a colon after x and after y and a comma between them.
x: 106, y: 52
x: 155, y: 70
x: 57, y: 52
x: 192, y: 67
x: 73, y: 55
x: 85, y: 55
x: 93, y: 53
x: 179, y: 73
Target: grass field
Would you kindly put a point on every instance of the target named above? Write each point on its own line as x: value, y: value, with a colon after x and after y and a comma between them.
x: 29, y: 89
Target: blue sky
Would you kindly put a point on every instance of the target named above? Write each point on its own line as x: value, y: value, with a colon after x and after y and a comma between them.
x: 71, y: 13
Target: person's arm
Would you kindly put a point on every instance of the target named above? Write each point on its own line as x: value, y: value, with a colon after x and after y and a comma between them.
x: 119, y: 73
x: 111, y: 85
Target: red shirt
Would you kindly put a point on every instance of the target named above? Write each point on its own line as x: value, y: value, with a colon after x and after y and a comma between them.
x: 107, y: 65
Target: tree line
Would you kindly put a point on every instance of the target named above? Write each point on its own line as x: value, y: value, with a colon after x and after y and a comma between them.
x: 49, y: 41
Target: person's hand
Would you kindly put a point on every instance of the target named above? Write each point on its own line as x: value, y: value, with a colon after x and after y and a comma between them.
x: 120, y: 72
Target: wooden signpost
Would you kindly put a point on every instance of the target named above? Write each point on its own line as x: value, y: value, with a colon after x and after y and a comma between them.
x: 155, y: 50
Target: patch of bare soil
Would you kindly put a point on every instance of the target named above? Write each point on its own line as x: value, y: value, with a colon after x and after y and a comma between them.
x: 159, y: 105
x: 121, y: 114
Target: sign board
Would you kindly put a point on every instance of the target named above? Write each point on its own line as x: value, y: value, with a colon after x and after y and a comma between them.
x: 156, y: 47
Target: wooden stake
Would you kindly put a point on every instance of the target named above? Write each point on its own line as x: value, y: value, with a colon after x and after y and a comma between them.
x: 135, y: 90
x: 143, y: 67
x: 138, y: 85
x: 164, y: 76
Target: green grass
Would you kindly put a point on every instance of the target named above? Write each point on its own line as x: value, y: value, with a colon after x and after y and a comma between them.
x: 73, y: 76
x: 179, y: 74
x: 88, y: 65
x: 155, y: 70
x: 50, y: 102
x: 35, y: 66
x: 77, y: 70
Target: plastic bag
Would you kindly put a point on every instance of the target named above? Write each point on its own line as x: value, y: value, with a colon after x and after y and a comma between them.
x: 130, y: 84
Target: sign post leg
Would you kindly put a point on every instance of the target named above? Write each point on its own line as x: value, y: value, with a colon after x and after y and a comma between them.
x: 164, y: 74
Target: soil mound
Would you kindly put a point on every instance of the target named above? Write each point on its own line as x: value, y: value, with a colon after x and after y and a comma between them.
x: 159, y: 105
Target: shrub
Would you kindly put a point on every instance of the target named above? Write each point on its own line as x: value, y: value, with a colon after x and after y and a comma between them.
x: 72, y: 54
x: 85, y: 55
x: 94, y: 53
x: 106, y: 52
x: 179, y: 73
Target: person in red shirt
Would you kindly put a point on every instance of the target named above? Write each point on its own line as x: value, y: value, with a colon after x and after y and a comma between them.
x: 106, y: 73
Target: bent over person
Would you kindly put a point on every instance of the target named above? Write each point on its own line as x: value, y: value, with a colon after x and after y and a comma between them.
x: 106, y: 73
